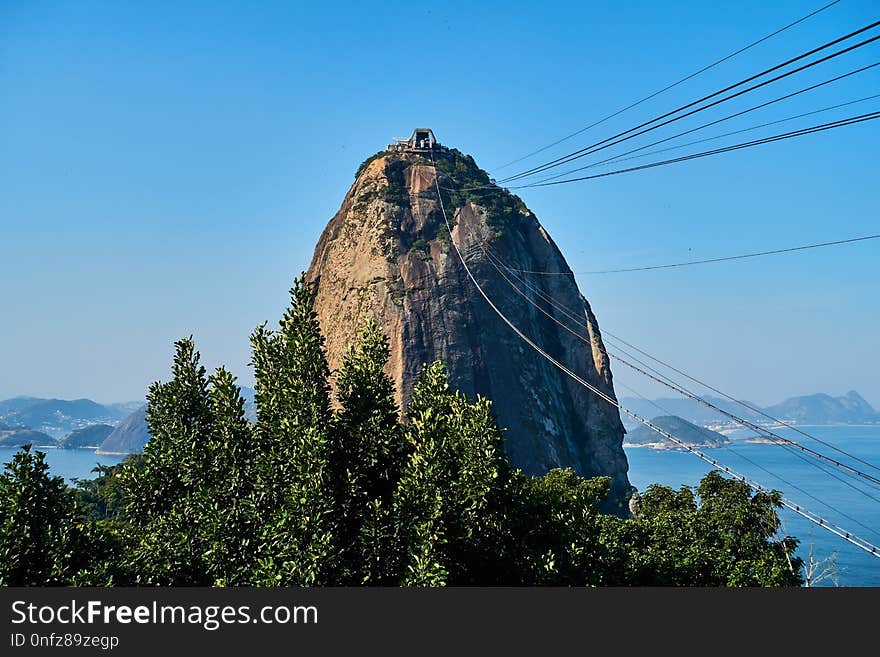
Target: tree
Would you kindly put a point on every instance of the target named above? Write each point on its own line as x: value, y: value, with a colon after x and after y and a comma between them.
x: 743, y: 525
x: 190, y: 498
x: 816, y: 570
x: 103, y: 497
x: 367, y: 456
x: 557, y: 530
x: 312, y: 495
x: 164, y: 497
x: 450, y: 502
x: 294, y: 493
x: 45, y: 538
x: 230, y: 521
x: 722, y: 534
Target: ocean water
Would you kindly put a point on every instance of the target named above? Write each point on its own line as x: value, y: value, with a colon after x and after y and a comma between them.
x: 67, y: 463
x: 820, y: 489
x: 819, y: 492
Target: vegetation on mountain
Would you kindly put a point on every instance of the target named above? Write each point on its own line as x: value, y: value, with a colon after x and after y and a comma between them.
x: 16, y: 437
x: 321, y: 491
x: 363, y: 165
x: 678, y: 427
x: 90, y: 436
x: 473, y: 184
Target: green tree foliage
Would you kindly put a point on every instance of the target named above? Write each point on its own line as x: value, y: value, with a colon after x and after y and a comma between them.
x: 164, y: 496
x: 455, y: 488
x: 45, y: 537
x: 228, y: 492
x: 556, y: 525
x: 722, y: 534
x: 189, y: 499
x: 321, y: 492
x: 103, y: 497
x: 294, y: 492
x: 368, y: 452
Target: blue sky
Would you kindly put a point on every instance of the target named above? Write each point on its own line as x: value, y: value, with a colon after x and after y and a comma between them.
x: 167, y: 167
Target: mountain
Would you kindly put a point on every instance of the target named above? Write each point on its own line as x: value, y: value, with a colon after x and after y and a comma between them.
x: 92, y: 436
x: 820, y: 408
x: 250, y: 407
x: 57, y: 417
x: 688, y: 432
x: 688, y: 409
x: 19, y: 437
x: 128, y: 436
x: 809, y: 409
x: 386, y: 256
x: 124, y: 409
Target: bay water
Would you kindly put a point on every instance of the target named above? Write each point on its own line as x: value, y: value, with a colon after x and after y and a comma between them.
x: 847, y: 501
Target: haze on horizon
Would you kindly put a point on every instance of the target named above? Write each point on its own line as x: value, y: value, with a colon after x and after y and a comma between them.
x: 167, y: 169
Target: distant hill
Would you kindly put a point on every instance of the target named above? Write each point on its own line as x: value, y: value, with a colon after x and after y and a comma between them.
x: 57, y: 417
x: 128, y: 436
x: 91, y: 436
x: 124, y: 409
x: 851, y: 408
x: 687, y: 409
x: 690, y: 433
x: 808, y: 409
x: 19, y: 437
x: 250, y: 407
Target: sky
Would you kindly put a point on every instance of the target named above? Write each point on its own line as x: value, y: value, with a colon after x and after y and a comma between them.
x: 166, y: 169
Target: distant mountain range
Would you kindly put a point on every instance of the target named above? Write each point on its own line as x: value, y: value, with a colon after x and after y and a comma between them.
x: 122, y: 428
x: 82, y: 423
x: 824, y: 409
x: 59, y: 417
x: 850, y: 408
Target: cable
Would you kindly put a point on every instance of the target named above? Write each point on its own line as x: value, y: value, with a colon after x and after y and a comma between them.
x: 809, y: 515
x: 671, y: 86
x: 665, y: 381
x: 621, y: 158
x: 722, y: 120
x: 625, y: 135
x: 689, y: 263
x: 802, y: 491
x: 733, y: 147
x: 788, y: 483
x: 601, y: 145
x: 571, y: 314
x: 745, y: 404
x: 791, y: 450
x: 758, y: 142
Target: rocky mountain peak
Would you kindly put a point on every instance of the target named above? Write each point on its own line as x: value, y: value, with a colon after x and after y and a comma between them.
x: 386, y: 255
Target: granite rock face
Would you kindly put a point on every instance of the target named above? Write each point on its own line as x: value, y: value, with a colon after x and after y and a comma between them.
x: 386, y: 255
